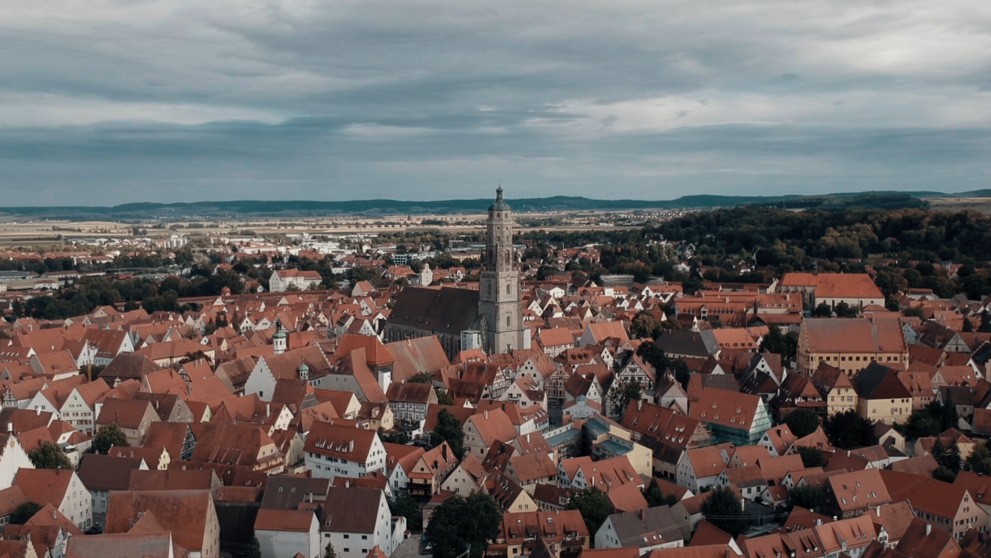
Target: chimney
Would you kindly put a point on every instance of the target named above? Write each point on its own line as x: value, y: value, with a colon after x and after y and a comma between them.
x: 10, y: 427
x: 37, y: 411
x: 528, y: 438
x: 929, y: 528
x: 879, y: 511
x: 639, y: 404
x: 486, y: 414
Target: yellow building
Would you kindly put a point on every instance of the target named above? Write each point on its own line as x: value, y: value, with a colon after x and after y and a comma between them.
x: 835, y: 388
x: 881, y: 395
x: 851, y: 344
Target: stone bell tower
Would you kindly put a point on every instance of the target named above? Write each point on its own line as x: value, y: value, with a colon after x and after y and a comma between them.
x: 499, y: 288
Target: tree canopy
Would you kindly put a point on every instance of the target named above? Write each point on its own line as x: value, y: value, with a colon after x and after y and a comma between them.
x: 809, y: 497
x: 24, y: 512
x: 802, y: 422
x: 655, y: 497
x: 461, y: 524
x: 848, y: 430
x: 723, y: 510
x: 811, y: 457
x: 450, y: 430
x: 931, y: 420
x: 49, y: 456
x: 403, y: 504
x: 979, y: 460
x: 627, y: 391
x: 594, y: 506
x: 109, y: 436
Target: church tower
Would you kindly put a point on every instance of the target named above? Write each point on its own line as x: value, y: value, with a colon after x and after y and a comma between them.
x: 499, y: 289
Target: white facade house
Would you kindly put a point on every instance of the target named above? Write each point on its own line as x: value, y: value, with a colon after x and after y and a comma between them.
x: 12, y: 458
x: 699, y: 468
x: 282, y: 533
x: 63, y: 489
x: 292, y: 279
x: 333, y: 451
x: 647, y: 530
x: 356, y: 520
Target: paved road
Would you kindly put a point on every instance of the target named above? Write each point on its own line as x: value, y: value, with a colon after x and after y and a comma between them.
x: 410, y: 548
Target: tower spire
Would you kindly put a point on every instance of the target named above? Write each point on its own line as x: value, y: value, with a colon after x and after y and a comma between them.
x: 499, y: 296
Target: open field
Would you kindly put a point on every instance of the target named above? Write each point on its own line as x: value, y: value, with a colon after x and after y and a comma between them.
x: 982, y: 205
x: 44, y: 232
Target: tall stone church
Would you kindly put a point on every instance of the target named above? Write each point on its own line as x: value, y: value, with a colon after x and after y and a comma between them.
x: 490, y: 318
x: 499, y: 290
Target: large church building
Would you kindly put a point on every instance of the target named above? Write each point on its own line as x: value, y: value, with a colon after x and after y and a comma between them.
x: 490, y: 318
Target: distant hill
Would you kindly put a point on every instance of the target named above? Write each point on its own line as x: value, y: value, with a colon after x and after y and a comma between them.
x: 149, y: 210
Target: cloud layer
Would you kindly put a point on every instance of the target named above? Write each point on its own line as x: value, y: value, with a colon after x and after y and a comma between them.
x: 113, y: 101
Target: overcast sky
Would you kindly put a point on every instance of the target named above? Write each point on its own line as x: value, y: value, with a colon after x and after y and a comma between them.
x: 114, y: 101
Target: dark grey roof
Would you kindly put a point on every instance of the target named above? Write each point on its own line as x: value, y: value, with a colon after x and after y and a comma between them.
x: 683, y: 342
x: 351, y: 510
x: 880, y: 382
x: 445, y: 310
x: 635, y: 526
x: 982, y: 355
x: 724, y: 382
x: 127, y: 366
x: 286, y: 493
x: 499, y: 204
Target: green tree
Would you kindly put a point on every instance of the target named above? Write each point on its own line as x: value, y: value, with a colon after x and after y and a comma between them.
x: 824, y: 310
x: 681, y: 372
x: 450, y: 430
x: 653, y: 355
x: 946, y: 456
x: 985, y: 326
x: 594, y: 506
x: 109, y: 436
x: 397, y: 437
x: 443, y: 398
x: 421, y: 378
x: 24, y: 512
x: 809, y: 497
x: 931, y: 420
x: 403, y: 504
x: 944, y: 474
x: 844, y: 310
x: 811, y: 457
x: 329, y: 552
x: 627, y: 391
x: 644, y: 326
x: 723, y: 510
x: 655, y: 497
x: 848, y: 430
x: 979, y: 460
x: 463, y: 524
x: 256, y: 548
x: 49, y: 456
x: 802, y: 422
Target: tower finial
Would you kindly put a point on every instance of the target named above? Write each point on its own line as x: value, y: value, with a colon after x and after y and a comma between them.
x: 499, y: 193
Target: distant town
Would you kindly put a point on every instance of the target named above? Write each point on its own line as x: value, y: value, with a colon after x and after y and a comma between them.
x: 755, y: 381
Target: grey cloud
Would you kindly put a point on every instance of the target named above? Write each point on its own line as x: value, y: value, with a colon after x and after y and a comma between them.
x: 423, y: 99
